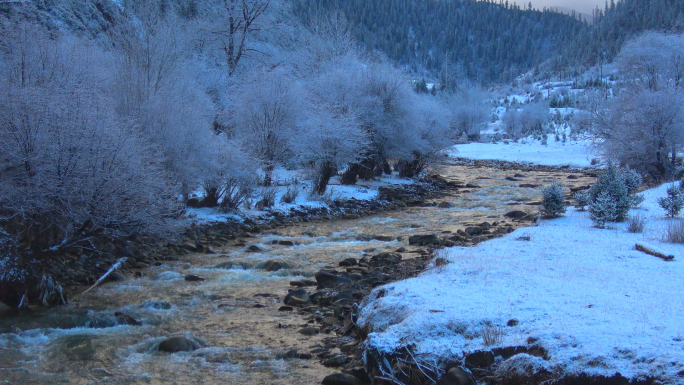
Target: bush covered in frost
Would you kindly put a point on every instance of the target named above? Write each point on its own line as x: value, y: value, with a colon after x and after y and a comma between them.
x: 553, y: 200
x: 582, y: 200
x: 612, y: 195
x: 603, y: 209
x: 673, y: 202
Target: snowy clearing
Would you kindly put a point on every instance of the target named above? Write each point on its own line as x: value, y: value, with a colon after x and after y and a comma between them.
x: 573, y: 153
x: 594, y: 303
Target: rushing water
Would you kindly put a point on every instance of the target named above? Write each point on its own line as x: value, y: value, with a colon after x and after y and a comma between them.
x: 234, y: 312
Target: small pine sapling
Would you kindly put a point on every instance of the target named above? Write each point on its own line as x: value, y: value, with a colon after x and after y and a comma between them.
x: 603, y: 209
x: 636, y: 200
x: 632, y: 180
x: 673, y: 202
x: 582, y: 200
x: 553, y: 201
x: 612, y: 184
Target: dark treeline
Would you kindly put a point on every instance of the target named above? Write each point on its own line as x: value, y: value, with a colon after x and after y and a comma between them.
x: 621, y: 21
x: 480, y: 40
x: 494, y: 42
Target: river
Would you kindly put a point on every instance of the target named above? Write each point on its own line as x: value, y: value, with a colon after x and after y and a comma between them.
x: 234, y: 313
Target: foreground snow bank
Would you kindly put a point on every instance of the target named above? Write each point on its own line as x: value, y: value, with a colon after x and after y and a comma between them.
x: 573, y: 153
x: 585, y: 295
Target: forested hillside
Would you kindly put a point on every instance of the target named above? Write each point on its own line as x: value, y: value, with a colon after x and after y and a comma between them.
x: 494, y: 41
x: 620, y: 21
x: 475, y: 39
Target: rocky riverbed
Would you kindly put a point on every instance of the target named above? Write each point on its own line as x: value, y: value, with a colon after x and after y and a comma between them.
x: 271, y: 300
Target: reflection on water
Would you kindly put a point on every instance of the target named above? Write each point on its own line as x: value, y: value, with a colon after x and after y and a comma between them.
x: 234, y: 312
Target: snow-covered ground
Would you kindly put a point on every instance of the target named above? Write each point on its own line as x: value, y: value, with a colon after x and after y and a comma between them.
x: 556, y: 153
x: 594, y: 303
x: 362, y: 190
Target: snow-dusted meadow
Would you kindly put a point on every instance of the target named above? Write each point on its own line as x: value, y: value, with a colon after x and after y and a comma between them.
x: 555, y: 153
x: 584, y: 294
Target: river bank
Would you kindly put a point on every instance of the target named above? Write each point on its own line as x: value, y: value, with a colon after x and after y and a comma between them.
x: 233, y: 309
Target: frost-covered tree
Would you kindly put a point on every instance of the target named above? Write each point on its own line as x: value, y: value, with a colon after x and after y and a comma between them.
x: 618, y: 185
x: 643, y: 129
x: 238, y: 19
x: 157, y: 89
x: 470, y: 111
x: 401, y: 126
x: 71, y: 168
x: 266, y: 114
x: 673, y: 202
x: 526, y: 121
x: 653, y: 60
x: 330, y: 136
x: 642, y: 126
x: 553, y: 201
x: 603, y: 209
x: 582, y: 199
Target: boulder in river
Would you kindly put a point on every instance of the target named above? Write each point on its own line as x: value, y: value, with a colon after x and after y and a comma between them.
x: 457, y: 376
x: 349, y: 262
x: 254, y: 249
x: 125, y: 319
x: 473, y: 230
x: 337, y: 360
x: 340, y: 379
x: 194, y: 278
x: 385, y: 259
x: 115, y: 277
x: 424, y: 240
x: 297, y: 297
x: 308, y: 331
x: 327, y: 280
x: 178, y: 344
x: 4, y: 307
x: 445, y: 205
x: 273, y: 265
x: 515, y: 214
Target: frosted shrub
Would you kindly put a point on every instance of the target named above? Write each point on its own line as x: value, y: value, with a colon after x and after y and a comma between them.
x: 290, y: 195
x: 603, y: 209
x: 267, y: 199
x: 235, y: 194
x: 632, y: 179
x: 673, y: 202
x: 553, y: 201
x: 612, y: 185
x: 582, y: 200
x: 636, y: 200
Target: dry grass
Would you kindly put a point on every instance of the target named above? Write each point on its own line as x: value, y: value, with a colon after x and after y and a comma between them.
x: 441, y: 260
x: 674, y: 232
x: 636, y: 223
x: 492, y: 334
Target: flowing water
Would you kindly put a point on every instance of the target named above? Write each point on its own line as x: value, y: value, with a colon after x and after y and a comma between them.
x: 234, y: 312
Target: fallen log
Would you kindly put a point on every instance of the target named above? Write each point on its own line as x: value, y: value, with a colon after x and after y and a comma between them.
x: 104, y: 277
x: 653, y: 251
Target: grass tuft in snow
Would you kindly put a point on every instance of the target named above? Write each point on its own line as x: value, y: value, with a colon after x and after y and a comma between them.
x: 674, y: 233
x: 492, y: 334
x: 636, y: 224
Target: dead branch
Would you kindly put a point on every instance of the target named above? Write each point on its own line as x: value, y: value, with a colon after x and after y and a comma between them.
x: 112, y: 269
x: 652, y: 251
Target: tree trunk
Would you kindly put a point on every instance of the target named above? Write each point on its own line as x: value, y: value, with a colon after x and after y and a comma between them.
x: 324, y: 174
x: 268, y: 175
x: 350, y: 176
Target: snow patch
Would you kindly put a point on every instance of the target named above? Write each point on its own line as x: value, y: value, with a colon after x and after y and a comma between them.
x: 573, y: 153
x: 586, y: 295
